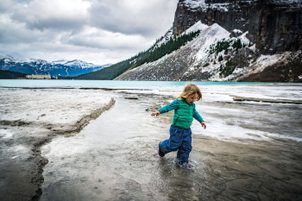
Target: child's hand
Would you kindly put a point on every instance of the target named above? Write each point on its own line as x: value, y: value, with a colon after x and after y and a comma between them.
x: 155, y: 113
x: 203, y: 124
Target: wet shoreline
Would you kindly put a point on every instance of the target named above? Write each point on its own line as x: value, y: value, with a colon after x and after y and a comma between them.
x: 22, y: 176
x: 128, y: 168
x: 252, y: 170
x: 113, y: 157
x: 41, y: 161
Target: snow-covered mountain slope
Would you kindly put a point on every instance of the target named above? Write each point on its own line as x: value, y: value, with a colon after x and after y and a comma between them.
x: 164, y: 39
x: 56, y: 68
x: 76, y: 62
x: 216, y: 55
x: 273, y: 25
x: 244, y: 40
x: 278, y: 67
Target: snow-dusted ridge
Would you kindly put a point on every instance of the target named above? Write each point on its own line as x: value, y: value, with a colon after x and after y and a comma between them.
x: 75, y: 62
x: 163, y: 40
x: 215, y: 54
x: 54, y: 68
x: 198, y: 26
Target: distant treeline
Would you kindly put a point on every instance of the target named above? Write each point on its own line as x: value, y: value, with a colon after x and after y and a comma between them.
x: 4, y: 74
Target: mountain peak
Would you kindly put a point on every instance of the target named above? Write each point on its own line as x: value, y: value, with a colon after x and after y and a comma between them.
x: 233, y: 39
x: 56, y: 68
x: 221, y: 40
x: 81, y: 63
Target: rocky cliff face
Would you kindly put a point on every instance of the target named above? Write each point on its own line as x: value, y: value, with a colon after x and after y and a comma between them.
x: 214, y: 56
x: 273, y: 25
x: 239, y: 40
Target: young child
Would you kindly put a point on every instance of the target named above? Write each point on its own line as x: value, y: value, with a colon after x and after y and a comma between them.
x: 180, y: 132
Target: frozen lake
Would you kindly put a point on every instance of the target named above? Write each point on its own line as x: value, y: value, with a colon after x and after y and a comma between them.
x: 97, y: 141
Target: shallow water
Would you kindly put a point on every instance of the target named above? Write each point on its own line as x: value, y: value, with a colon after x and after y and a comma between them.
x: 30, y: 118
x: 250, y: 150
x: 114, y: 158
x: 109, y: 159
x: 110, y: 84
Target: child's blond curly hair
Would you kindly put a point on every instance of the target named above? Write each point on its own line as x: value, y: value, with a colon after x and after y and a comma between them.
x: 189, y: 90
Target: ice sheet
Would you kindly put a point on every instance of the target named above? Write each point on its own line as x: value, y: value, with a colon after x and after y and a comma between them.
x: 49, y: 106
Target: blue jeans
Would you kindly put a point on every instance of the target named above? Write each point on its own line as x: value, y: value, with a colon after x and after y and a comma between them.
x: 180, y: 140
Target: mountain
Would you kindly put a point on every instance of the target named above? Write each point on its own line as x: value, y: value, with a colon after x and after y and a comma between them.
x: 273, y: 25
x: 219, y: 55
x: 226, y: 40
x: 162, y: 47
x: 55, y: 69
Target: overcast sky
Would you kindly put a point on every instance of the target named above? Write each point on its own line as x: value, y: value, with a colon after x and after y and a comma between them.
x: 97, y: 31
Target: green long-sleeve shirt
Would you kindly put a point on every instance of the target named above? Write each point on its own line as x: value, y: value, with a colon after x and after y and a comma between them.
x: 183, y: 113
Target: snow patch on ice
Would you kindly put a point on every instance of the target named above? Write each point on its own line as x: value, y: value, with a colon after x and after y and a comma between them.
x: 58, y: 147
x: 220, y: 130
x: 50, y: 107
x: 18, y: 151
x: 6, y: 134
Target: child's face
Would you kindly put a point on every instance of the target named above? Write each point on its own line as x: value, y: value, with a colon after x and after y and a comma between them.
x: 192, y: 98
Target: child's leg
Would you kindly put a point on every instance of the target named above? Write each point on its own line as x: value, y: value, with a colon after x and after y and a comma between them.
x: 186, y: 147
x: 173, y: 143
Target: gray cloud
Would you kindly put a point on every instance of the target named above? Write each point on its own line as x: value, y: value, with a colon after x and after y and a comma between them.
x: 100, y: 39
x: 102, y: 31
x: 12, y: 32
x: 46, y: 14
x: 133, y: 16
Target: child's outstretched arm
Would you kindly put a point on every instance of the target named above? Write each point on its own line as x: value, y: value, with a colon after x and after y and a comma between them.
x: 199, y: 118
x: 172, y: 106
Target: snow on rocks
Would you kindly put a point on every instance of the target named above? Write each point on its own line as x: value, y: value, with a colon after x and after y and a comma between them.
x: 201, y: 4
x: 265, y: 61
x: 198, y: 26
x: 164, y: 39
